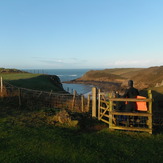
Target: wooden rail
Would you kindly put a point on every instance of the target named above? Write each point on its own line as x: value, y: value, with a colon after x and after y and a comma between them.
x: 107, y: 114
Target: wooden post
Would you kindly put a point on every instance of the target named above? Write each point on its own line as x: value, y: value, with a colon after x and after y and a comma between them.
x: 94, y: 103
x: 73, y: 100
x: 110, y: 113
x: 99, y: 98
x: 88, y: 103
x: 150, y: 110
x: 20, y: 97
x: 82, y: 103
x: 1, y: 85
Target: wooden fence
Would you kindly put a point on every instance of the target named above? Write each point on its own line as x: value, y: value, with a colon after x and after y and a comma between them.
x: 62, y: 100
x: 103, y: 107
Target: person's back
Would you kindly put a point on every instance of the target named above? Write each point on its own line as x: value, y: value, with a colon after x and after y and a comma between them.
x: 131, y: 92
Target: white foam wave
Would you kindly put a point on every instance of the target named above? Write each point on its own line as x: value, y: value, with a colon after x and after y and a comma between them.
x: 72, y: 75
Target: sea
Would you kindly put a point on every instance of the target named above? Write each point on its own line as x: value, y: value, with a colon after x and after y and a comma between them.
x: 67, y: 75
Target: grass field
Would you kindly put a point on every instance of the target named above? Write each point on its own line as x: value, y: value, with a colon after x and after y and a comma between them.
x: 27, y: 137
x: 31, y: 81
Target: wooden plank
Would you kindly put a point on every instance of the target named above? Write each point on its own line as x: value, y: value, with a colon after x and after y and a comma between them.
x: 105, y: 121
x: 103, y: 101
x: 103, y: 113
x: 101, y: 93
x: 129, y: 99
x: 106, y: 115
x: 132, y: 114
x: 131, y: 128
x: 104, y: 108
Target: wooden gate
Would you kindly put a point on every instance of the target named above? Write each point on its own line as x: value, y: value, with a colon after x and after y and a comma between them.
x: 131, y: 121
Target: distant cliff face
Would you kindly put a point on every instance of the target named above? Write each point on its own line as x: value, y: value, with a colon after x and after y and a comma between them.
x: 56, y: 81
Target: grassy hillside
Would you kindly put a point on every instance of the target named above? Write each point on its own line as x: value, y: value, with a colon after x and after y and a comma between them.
x: 4, y: 70
x: 143, y: 77
x: 122, y: 71
x: 151, y: 75
x: 28, y: 137
x: 31, y: 81
x: 100, y: 75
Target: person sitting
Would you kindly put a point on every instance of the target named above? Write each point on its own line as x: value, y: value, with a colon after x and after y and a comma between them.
x: 119, y: 105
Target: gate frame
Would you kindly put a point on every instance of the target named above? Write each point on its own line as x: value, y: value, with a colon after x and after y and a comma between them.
x: 110, y: 116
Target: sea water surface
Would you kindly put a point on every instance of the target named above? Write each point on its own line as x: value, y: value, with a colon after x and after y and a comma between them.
x: 67, y: 75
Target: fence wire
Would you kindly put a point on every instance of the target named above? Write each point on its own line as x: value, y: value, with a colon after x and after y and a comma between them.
x: 32, y: 98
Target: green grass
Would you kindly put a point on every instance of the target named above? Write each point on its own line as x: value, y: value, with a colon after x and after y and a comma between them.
x: 27, y: 137
x: 31, y: 81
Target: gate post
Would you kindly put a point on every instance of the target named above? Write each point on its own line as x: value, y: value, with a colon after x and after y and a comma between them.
x: 1, y: 87
x: 94, y: 101
x: 99, y: 98
x: 150, y: 110
x: 110, y: 113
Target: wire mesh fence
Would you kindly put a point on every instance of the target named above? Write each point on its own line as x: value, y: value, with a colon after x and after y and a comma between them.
x: 32, y: 98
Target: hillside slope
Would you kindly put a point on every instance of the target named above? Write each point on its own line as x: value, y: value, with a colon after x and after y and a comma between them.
x: 143, y: 77
x: 31, y: 81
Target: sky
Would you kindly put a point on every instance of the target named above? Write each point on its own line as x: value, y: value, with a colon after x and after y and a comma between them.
x: 75, y: 34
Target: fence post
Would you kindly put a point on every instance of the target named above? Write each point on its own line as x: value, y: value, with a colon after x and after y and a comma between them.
x: 99, y: 98
x: 110, y: 114
x: 73, y: 99
x: 94, y: 101
x: 150, y: 110
x: 88, y: 102
x: 1, y: 86
x: 20, y: 97
x: 82, y: 103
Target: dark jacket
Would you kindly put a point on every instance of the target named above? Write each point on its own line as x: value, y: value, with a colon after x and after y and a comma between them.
x: 131, y: 93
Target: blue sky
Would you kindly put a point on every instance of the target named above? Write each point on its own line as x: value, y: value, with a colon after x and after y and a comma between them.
x: 81, y: 33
